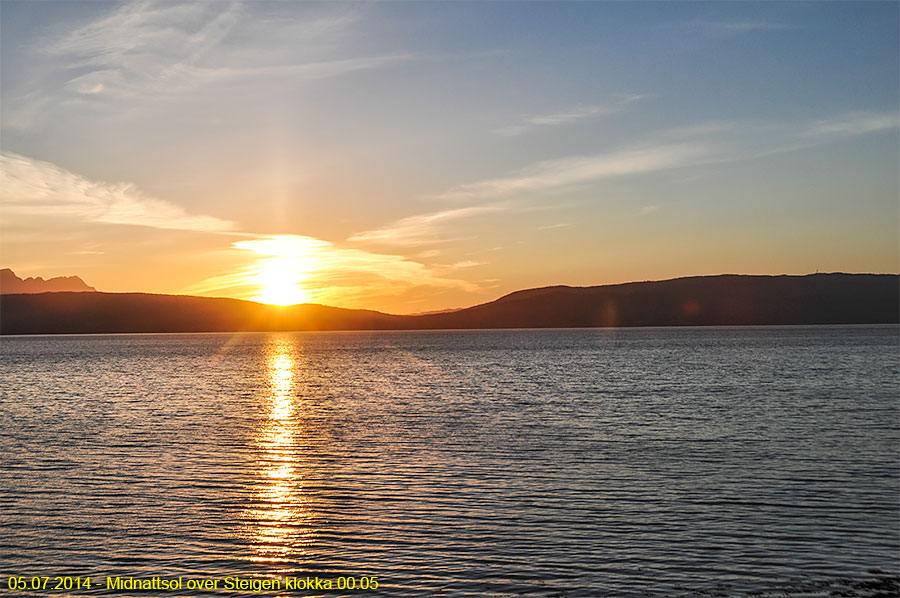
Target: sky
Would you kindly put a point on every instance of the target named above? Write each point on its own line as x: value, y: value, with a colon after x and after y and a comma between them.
x: 410, y: 157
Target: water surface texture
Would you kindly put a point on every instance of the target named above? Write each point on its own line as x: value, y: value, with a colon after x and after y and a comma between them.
x: 661, y: 462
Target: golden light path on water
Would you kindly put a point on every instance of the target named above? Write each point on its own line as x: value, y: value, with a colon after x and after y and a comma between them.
x: 280, y: 514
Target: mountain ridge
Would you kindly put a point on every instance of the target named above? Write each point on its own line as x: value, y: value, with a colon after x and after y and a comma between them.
x: 11, y: 284
x: 720, y: 300
x: 725, y: 299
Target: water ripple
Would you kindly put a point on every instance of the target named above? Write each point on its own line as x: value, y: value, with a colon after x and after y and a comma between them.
x: 690, y: 462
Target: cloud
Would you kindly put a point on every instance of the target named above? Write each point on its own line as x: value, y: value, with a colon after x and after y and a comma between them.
x: 139, y: 52
x: 671, y: 148
x: 807, y: 136
x: 325, y: 272
x: 182, y: 78
x: 855, y: 123
x: 565, y: 117
x: 698, y: 144
x: 131, y: 31
x: 581, y: 169
x: 466, y: 264
x: 704, y: 129
x: 734, y: 27
x: 33, y: 187
x: 139, y: 47
x: 422, y: 228
x: 742, y: 26
x: 550, y: 174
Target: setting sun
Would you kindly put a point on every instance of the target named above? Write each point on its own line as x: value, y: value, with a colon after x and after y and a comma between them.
x: 286, y: 265
x: 279, y: 280
x: 450, y: 298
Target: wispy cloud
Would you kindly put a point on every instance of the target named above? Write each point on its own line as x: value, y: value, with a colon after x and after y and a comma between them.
x: 328, y: 273
x: 705, y: 130
x: 565, y: 117
x: 581, y: 169
x: 134, y: 49
x: 551, y: 174
x: 708, y: 143
x: 181, y: 78
x: 144, y: 51
x: 33, y: 187
x: 466, y: 264
x: 808, y: 136
x: 855, y: 123
x: 741, y: 26
x: 703, y: 143
x: 734, y: 27
x: 422, y: 228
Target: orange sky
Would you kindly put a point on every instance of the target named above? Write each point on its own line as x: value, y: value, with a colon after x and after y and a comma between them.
x: 409, y: 158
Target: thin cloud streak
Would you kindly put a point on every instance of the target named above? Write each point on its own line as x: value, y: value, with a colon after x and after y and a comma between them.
x: 734, y: 27
x: 676, y: 147
x: 182, y: 78
x: 852, y: 124
x: 856, y: 123
x: 428, y: 228
x: 34, y: 188
x: 742, y: 26
x: 683, y: 146
x: 569, y: 171
x: 466, y: 264
x: 565, y: 117
x: 422, y: 228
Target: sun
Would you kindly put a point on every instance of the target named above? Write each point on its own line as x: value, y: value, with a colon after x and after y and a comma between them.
x: 279, y: 280
x: 281, y: 275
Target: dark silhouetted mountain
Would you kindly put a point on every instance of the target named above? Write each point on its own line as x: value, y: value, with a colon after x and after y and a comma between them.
x: 140, y: 312
x: 728, y: 300
x: 11, y: 284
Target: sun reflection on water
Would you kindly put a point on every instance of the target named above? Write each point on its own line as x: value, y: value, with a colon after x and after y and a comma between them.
x: 279, y: 515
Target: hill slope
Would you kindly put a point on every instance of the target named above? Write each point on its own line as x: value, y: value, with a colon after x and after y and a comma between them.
x: 77, y: 313
x: 697, y: 301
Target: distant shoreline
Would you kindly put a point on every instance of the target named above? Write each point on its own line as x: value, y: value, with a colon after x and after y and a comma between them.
x: 460, y: 330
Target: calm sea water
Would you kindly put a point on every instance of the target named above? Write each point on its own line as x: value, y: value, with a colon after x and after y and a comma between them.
x: 660, y: 462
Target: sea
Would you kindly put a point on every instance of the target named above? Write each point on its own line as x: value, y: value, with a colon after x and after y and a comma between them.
x: 745, y: 461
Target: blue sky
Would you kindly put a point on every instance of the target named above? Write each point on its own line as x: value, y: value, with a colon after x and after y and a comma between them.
x: 414, y: 156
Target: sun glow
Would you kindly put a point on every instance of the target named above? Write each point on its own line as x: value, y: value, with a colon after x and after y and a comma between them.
x: 280, y: 281
x: 286, y: 264
x: 292, y: 269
